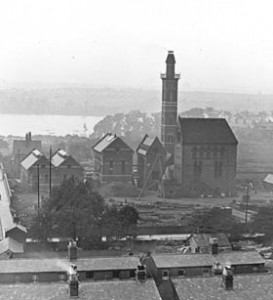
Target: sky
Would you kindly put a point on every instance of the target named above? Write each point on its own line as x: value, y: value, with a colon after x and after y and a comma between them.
x: 219, y: 45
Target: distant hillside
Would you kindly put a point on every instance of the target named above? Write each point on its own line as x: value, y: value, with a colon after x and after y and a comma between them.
x: 105, y: 101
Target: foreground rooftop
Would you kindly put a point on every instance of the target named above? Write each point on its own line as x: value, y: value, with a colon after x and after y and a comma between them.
x: 103, y: 290
x: 250, y: 287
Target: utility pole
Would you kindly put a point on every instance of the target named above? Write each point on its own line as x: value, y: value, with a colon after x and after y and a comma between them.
x: 50, y: 172
x: 38, y: 187
x: 247, y: 199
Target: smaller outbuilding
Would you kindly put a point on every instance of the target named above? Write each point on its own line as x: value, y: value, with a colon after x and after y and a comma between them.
x: 205, y: 243
x: 151, y: 157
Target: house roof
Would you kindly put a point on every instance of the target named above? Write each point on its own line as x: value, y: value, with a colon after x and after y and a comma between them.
x: 268, y: 178
x: 59, y: 265
x: 183, y: 260
x: 32, y: 158
x: 61, y: 156
x: 23, y: 147
x: 16, y: 226
x: 250, y: 287
x: 12, y: 245
x: 199, y: 260
x: 203, y: 239
x: 239, y: 258
x: 146, y: 144
x: 107, y: 140
x: 206, y: 131
x: 99, y: 290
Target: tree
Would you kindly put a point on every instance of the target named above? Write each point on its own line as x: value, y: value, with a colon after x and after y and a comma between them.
x: 262, y: 222
x: 213, y: 221
x: 73, y: 211
x: 121, y: 222
x: 128, y: 215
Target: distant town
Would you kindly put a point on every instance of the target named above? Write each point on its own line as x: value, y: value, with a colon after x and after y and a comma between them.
x: 151, y: 205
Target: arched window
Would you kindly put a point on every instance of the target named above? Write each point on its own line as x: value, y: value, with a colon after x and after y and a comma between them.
x: 170, y: 138
x: 194, y: 152
x: 208, y: 151
x: 215, y: 150
x: 202, y: 152
x: 222, y: 151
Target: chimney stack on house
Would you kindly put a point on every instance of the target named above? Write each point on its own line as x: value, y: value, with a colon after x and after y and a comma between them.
x: 214, y: 246
x: 72, y: 250
x: 227, y: 278
x: 141, y: 273
x: 73, y: 282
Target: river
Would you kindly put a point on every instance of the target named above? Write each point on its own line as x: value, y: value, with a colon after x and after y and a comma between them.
x: 59, y: 125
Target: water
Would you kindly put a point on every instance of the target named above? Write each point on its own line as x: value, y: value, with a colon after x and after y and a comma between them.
x: 19, y: 125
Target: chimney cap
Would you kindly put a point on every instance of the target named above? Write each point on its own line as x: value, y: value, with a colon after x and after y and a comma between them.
x: 170, y: 58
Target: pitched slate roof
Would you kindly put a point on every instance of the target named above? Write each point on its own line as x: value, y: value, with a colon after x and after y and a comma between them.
x: 250, y: 287
x: 107, y: 140
x: 183, y: 260
x: 239, y: 258
x: 146, y: 144
x: 203, y: 239
x: 99, y: 290
x: 61, y: 156
x: 59, y: 265
x: 32, y: 158
x: 198, y: 260
x: 23, y: 147
x: 206, y: 131
x: 268, y: 178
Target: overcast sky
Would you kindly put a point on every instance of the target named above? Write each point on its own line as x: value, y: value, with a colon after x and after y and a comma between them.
x: 219, y: 44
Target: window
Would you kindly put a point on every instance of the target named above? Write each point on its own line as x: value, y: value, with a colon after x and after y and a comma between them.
x: 202, y: 151
x: 46, y: 178
x: 197, y: 168
x: 170, y: 138
x: 89, y: 275
x: 208, y: 150
x: 111, y: 166
x: 123, y: 167
x: 215, y: 151
x: 165, y: 274
x: 222, y: 151
x: 42, y: 166
x: 218, y: 169
x: 35, y: 278
x: 69, y: 166
x: 181, y: 272
x: 194, y: 152
x: 62, y: 276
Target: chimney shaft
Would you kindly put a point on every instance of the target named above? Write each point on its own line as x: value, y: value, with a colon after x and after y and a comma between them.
x: 227, y: 278
x: 214, y: 247
x: 141, y: 274
x: 72, y: 250
x: 73, y: 282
